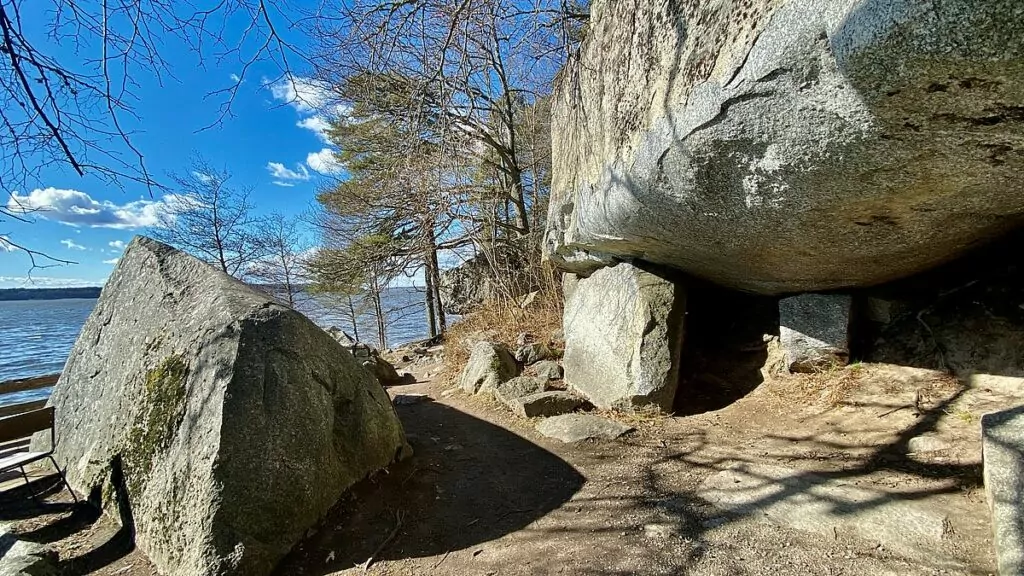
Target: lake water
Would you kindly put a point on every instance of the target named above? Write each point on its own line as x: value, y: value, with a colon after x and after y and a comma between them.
x: 36, y: 336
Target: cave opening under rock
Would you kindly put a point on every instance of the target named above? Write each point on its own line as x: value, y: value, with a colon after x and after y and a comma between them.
x: 724, y: 347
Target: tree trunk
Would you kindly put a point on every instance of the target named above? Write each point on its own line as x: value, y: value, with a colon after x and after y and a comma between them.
x: 352, y: 315
x: 378, y: 310
x: 436, y: 296
x: 428, y: 301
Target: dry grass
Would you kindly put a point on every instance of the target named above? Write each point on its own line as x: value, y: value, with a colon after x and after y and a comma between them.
x: 504, y: 320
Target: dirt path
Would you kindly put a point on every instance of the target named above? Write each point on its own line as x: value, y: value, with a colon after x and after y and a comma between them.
x: 485, y: 494
x: 802, y: 476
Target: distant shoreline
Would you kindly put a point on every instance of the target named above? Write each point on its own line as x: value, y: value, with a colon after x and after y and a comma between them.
x: 14, y: 294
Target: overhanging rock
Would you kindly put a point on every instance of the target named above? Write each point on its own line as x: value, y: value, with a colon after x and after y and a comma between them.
x: 788, y: 146
x: 235, y: 422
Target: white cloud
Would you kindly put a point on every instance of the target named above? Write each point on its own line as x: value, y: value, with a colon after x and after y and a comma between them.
x: 317, y: 124
x: 76, y: 208
x: 45, y: 282
x: 112, y: 261
x: 116, y: 244
x: 6, y: 245
x: 279, y: 171
x: 324, y: 162
x: 283, y: 184
x: 235, y: 78
x: 304, y: 94
x: 71, y: 245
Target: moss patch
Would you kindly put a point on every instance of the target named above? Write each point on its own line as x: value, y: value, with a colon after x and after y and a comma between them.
x: 156, y: 424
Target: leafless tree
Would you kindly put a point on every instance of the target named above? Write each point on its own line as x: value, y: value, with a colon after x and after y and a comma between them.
x: 212, y: 220
x: 68, y: 83
x: 282, y: 270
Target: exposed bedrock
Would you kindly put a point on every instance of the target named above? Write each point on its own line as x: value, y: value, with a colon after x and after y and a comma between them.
x: 789, y: 146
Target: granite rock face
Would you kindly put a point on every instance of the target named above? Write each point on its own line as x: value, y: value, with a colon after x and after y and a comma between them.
x: 225, y: 424
x: 789, y: 146
x: 814, y: 330
x: 1002, y: 436
x: 623, y: 336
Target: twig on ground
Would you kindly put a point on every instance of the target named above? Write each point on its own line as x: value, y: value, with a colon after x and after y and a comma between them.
x: 394, y: 532
x: 443, y: 558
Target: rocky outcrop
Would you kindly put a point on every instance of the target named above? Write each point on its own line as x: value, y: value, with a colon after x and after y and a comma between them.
x: 466, y: 286
x: 489, y: 365
x: 814, y: 330
x: 623, y: 333
x: 791, y: 146
x: 223, y: 424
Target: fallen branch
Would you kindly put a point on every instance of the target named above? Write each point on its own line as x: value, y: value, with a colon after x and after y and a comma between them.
x: 398, y: 525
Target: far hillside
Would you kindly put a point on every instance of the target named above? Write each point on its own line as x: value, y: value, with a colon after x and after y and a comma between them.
x: 7, y: 294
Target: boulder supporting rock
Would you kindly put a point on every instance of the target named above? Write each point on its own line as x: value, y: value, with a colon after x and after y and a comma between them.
x: 786, y: 147
x: 578, y: 427
x: 623, y: 336
x: 552, y: 403
x: 814, y: 329
x: 1002, y: 436
x: 489, y: 364
x: 226, y: 423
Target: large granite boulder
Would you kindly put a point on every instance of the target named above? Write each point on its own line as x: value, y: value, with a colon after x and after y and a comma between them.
x: 623, y: 336
x: 222, y: 424
x: 789, y: 146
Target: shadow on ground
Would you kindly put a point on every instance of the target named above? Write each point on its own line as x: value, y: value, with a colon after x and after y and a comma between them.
x: 469, y: 482
x: 51, y: 518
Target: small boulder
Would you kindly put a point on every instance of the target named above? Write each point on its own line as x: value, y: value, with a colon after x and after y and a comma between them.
x: 383, y: 370
x: 341, y: 336
x: 508, y: 392
x: 489, y: 364
x: 553, y: 403
x: 577, y: 427
x: 533, y: 353
x: 926, y: 443
x: 548, y: 370
x: 814, y: 330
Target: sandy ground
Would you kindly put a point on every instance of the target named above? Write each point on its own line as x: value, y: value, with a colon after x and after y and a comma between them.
x: 485, y: 494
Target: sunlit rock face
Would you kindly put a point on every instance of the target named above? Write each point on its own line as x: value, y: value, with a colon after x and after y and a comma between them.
x: 791, y: 145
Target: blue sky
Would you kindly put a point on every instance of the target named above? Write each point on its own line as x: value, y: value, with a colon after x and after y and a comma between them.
x: 271, y: 142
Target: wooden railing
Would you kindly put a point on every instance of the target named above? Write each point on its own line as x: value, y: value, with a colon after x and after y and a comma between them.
x: 25, y: 385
